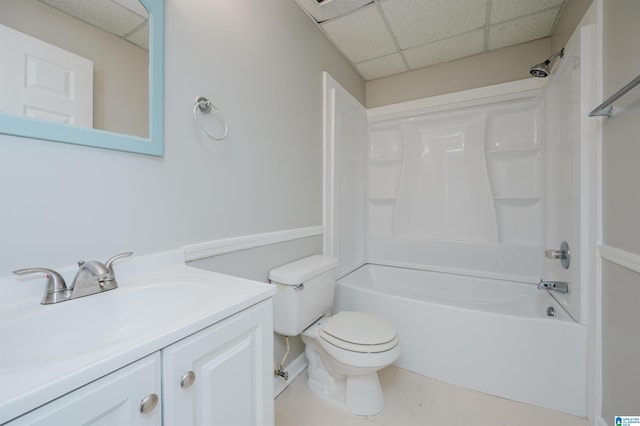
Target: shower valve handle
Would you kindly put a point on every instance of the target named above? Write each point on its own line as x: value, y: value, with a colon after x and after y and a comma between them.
x: 555, y: 254
x: 564, y: 255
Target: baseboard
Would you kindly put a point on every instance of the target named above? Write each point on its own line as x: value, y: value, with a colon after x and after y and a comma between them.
x: 601, y: 422
x: 295, y: 368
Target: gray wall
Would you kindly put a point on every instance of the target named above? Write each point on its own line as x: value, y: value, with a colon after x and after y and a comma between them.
x: 261, y: 63
x: 572, y: 13
x: 498, y: 66
x: 621, y: 210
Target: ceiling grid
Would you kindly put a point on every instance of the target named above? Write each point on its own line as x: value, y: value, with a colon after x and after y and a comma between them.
x: 127, y: 19
x: 386, y: 37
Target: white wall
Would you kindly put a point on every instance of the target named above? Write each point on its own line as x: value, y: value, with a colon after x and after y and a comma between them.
x: 261, y: 63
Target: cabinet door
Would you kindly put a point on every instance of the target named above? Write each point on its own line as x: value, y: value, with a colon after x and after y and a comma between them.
x: 112, y: 400
x: 232, y: 363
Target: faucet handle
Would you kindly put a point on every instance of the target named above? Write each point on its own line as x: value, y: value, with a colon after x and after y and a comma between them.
x: 109, y: 263
x: 563, y: 255
x: 111, y: 282
x: 56, y: 289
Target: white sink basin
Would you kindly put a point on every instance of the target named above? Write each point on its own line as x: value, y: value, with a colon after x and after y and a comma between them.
x: 47, y: 334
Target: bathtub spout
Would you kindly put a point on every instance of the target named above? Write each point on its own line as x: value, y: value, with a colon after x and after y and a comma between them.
x: 559, y: 286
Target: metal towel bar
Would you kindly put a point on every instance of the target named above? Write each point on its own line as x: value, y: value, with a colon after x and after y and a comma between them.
x: 203, y: 104
x: 605, y: 107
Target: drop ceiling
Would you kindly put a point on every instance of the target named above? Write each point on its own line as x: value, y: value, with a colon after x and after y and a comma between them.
x: 386, y: 37
x: 127, y: 19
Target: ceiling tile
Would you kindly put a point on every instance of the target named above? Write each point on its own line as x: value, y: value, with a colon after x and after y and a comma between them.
x: 104, y: 14
x: 361, y: 35
x: 330, y: 9
x: 452, y: 48
x: 429, y: 32
x: 140, y: 37
x: 417, y: 22
x: 135, y: 6
x: 520, y: 30
x: 381, y: 67
x: 502, y: 10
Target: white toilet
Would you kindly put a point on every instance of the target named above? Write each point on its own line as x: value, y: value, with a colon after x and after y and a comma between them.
x: 345, y: 350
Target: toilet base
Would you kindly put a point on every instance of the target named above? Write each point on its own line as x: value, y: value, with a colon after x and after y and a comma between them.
x: 355, y: 394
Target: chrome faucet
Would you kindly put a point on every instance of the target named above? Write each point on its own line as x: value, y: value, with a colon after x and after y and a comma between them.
x: 559, y: 286
x: 92, y: 277
x: 56, y: 288
x: 94, y: 273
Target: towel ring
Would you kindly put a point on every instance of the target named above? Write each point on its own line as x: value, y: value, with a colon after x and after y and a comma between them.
x: 203, y: 104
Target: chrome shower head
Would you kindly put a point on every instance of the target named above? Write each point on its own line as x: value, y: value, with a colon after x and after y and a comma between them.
x: 542, y: 69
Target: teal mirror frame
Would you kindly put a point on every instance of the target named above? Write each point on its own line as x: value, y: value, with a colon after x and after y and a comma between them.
x: 153, y: 145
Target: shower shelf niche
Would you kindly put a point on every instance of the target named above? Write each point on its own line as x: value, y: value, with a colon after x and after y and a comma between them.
x: 381, y: 162
x: 381, y: 200
x: 512, y: 152
x: 518, y: 198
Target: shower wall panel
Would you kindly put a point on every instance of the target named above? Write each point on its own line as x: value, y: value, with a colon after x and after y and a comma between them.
x: 444, y: 191
x: 459, y: 190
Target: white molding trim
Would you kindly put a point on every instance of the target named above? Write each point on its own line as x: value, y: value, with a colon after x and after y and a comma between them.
x: 229, y: 245
x: 620, y: 257
x: 601, y: 422
x: 295, y: 368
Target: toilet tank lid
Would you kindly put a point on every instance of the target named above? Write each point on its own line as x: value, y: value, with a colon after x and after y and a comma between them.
x: 297, y: 272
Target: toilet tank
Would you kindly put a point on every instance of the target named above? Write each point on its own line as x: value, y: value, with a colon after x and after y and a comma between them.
x: 304, y: 292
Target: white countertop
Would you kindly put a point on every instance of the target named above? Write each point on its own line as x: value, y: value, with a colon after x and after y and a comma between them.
x: 34, y: 369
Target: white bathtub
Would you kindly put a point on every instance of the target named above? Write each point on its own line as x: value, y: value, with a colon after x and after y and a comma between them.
x: 489, y: 335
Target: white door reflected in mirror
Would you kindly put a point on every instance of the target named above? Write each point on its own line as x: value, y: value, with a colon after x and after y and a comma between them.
x: 42, y: 81
x: 114, y: 35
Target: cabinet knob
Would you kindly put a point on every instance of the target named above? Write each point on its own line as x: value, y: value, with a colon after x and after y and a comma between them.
x: 187, y: 379
x: 148, y: 403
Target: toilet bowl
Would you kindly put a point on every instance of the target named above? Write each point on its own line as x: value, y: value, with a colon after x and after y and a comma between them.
x: 345, y: 353
x: 345, y: 350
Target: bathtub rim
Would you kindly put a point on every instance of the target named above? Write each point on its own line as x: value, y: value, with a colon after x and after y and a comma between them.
x: 477, y: 273
x: 565, y: 316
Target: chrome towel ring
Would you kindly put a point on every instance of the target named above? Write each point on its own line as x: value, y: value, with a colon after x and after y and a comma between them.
x: 203, y: 104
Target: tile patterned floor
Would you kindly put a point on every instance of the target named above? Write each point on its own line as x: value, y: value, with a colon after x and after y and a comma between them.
x: 415, y: 400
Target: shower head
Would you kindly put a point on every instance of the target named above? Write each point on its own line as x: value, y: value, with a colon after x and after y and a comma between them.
x: 542, y: 69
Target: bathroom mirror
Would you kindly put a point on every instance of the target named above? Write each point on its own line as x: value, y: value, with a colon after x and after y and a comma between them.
x: 149, y: 93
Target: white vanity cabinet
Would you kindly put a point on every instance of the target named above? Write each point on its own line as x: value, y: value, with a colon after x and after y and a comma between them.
x: 115, y: 399
x: 164, y: 320
x: 222, y: 375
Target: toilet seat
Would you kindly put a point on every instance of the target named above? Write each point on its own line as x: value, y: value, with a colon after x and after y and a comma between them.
x: 359, y: 332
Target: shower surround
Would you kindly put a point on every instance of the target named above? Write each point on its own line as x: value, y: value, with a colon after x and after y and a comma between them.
x: 459, y: 190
